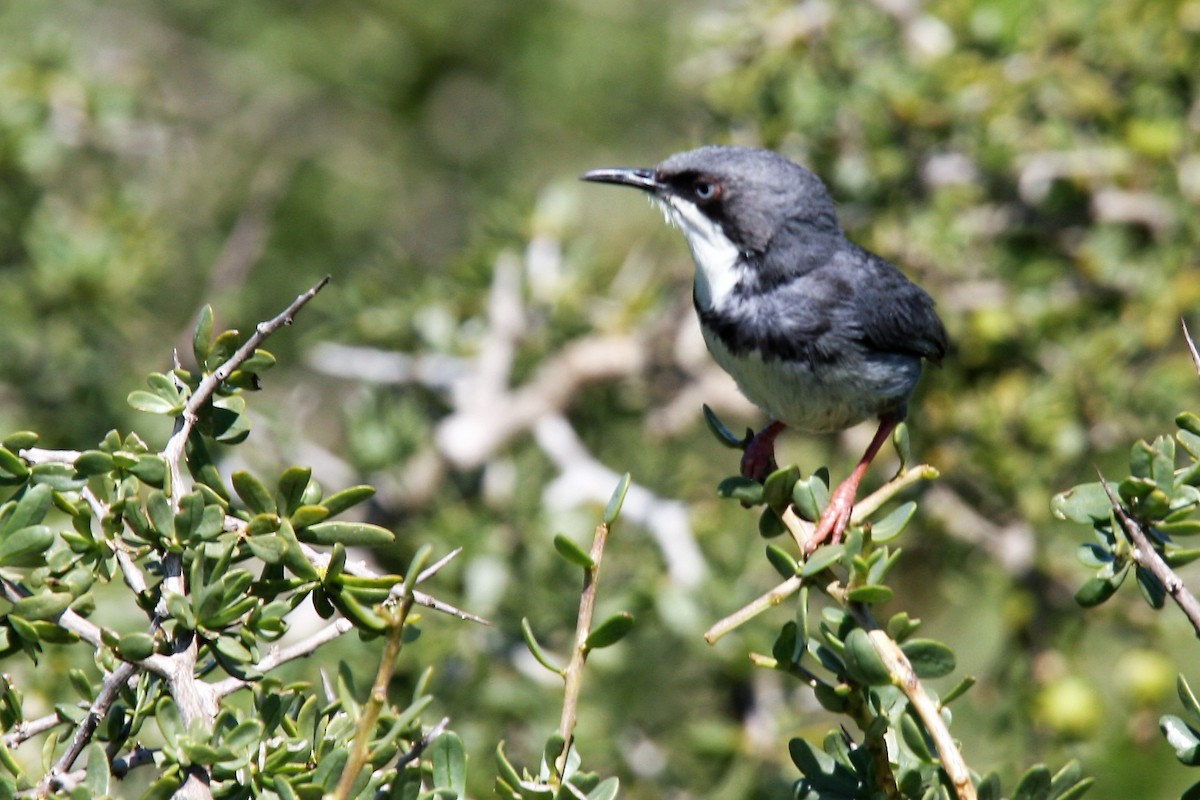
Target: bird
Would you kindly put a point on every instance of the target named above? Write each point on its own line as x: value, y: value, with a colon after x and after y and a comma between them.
x: 818, y: 332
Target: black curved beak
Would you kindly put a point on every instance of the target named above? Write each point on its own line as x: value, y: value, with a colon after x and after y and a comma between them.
x: 639, y: 178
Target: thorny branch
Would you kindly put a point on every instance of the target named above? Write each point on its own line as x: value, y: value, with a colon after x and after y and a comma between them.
x: 1147, y: 556
x: 194, y: 698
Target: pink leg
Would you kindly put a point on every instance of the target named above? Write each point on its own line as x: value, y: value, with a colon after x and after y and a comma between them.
x: 758, y: 458
x: 836, y: 517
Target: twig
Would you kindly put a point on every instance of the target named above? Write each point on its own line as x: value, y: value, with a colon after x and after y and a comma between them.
x: 173, y: 452
x: 906, y: 680
x: 573, y: 674
x: 120, y: 767
x: 1147, y: 556
x: 755, y: 607
x: 282, y: 655
x: 321, y: 561
x: 23, y: 731
x: 89, y: 631
x: 383, y: 676
x: 874, y: 501
x: 414, y: 752
x: 1187, y: 337
x: 99, y: 710
x: 801, y: 531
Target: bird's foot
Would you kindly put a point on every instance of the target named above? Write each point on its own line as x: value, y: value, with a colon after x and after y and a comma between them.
x: 758, y: 454
x: 835, y: 519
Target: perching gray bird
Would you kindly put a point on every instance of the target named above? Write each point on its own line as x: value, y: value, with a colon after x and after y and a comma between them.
x: 818, y: 332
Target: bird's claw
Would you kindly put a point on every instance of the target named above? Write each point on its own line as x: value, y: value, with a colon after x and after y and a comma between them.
x: 835, y: 519
x: 758, y: 452
x: 758, y: 461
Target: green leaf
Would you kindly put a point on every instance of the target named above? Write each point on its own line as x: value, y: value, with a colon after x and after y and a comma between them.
x: 1183, y: 527
x: 31, y: 509
x: 1067, y: 781
x: 863, y: 661
x: 1034, y: 784
x: 823, y: 772
x: 1188, y: 422
x: 151, y: 403
x: 781, y: 560
x: 572, y: 552
x: 737, y: 487
x: 309, y: 515
x: 810, y: 495
x: 233, y: 650
x: 535, y: 648
x: 169, y: 722
x: 26, y: 547
x: 1152, y: 588
x: 723, y: 434
x: 900, y: 440
x: 508, y: 773
x: 150, y: 469
x: 42, y: 606
x: 293, y: 555
x: 605, y: 790
x: 449, y: 759
x: 770, y: 525
x: 181, y: 610
x: 609, y: 632
x: 258, y: 362
x: 202, y: 337
x: 11, y: 464
x: 1096, y: 590
x: 830, y: 699
x: 229, y: 422
x: 1086, y: 503
x: 351, y: 534
x: 226, y: 344
x: 19, y: 440
x: 616, y: 500
x: 136, y: 646
x: 929, y: 658
x: 98, y: 776
x: 914, y: 737
x: 362, y: 616
x: 268, y: 547
x: 824, y: 557
x: 347, y: 498
x: 900, y: 626
x: 989, y: 788
x: 245, y: 736
x: 1183, y: 738
x: 59, y: 477
x: 191, y: 512
x: 159, y: 509
x: 777, y: 488
x: 871, y: 594
x: 292, y: 484
x: 1190, y: 703
x: 959, y: 690
x: 893, y: 524
x: 253, y: 493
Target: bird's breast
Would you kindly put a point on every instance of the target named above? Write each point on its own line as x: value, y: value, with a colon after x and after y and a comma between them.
x: 819, y: 397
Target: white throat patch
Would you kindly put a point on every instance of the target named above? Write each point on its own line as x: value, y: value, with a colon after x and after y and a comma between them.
x: 716, y: 257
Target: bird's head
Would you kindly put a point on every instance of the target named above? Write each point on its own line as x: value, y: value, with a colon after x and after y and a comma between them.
x: 745, y: 194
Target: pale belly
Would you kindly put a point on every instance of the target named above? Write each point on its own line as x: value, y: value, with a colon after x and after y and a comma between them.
x: 830, y: 399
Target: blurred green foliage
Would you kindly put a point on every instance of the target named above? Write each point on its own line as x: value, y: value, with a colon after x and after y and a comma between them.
x: 1033, y: 166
